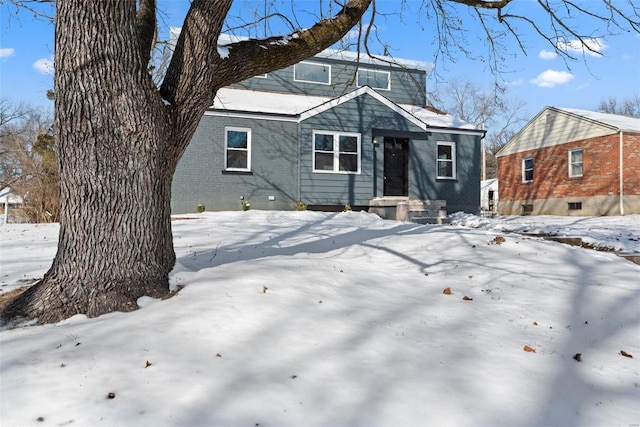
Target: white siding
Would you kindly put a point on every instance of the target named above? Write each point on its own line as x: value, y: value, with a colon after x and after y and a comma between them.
x: 552, y: 127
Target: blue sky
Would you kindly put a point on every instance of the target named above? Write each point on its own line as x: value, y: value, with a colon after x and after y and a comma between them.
x: 538, y: 78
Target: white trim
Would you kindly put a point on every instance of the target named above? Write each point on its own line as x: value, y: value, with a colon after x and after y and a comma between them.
x: 252, y: 116
x: 356, y: 93
x: 374, y: 71
x: 569, y: 152
x: 248, y: 149
x: 533, y: 165
x: 453, y: 159
x: 319, y: 64
x: 336, y: 152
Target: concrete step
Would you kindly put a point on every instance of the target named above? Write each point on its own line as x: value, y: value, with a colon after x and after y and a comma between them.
x: 431, y: 220
x: 427, y: 212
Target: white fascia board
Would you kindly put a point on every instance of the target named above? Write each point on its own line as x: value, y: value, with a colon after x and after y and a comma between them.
x: 356, y: 93
x: 456, y: 131
x: 251, y: 115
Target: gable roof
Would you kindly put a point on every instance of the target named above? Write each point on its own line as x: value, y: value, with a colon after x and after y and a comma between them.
x: 555, y: 126
x: 293, y: 107
x: 618, y: 122
x: 358, y: 92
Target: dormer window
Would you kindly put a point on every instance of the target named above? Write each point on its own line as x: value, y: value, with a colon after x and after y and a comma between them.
x: 375, y: 79
x: 312, y: 72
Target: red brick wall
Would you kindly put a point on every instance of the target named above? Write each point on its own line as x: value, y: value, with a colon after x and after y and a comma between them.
x: 632, y: 165
x: 551, y: 170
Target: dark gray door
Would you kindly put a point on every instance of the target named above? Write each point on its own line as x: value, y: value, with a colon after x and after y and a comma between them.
x: 396, y: 166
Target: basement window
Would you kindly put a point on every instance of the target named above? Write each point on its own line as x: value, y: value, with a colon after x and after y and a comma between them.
x: 574, y: 206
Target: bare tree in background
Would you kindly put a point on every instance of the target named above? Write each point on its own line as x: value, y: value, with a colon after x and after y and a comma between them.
x: 495, y: 110
x: 120, y: 136
x: 625, y: 107
x: 28, y: 161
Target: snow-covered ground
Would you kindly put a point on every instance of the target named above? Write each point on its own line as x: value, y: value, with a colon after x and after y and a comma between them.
x: 321, y: 319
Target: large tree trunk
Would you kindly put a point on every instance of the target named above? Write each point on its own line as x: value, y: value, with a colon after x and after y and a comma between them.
x: 114, y: 139
x: 119, y: 144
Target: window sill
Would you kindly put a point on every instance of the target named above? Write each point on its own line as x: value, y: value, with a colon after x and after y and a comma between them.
x: 443, y: 179
x: 336, y: 172
x: 235, y: 172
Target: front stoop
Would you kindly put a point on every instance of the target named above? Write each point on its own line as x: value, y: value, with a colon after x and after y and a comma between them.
x: 403, y: 209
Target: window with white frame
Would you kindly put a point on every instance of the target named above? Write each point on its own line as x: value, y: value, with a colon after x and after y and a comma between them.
x: 237, y: 149
x: 375, y: 79
x: 336, y: 152
x: 312, y: 72
x: 527, y: 169
x: 446, y: 160
x: 575, y: 162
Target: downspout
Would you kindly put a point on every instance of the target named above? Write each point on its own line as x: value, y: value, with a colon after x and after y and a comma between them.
x: 299, y: 191
x: 621, y: 174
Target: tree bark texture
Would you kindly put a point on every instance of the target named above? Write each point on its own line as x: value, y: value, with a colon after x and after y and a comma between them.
x: 119, y: 143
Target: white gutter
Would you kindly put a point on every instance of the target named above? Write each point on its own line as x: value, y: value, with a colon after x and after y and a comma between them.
x: 621, y: 174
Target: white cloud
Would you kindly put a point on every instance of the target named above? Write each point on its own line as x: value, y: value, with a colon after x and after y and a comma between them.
x: 547, y: 54
x: 6, y: 52
x: 552, y: 78
x: 44, y: 66
x: 591, y: 47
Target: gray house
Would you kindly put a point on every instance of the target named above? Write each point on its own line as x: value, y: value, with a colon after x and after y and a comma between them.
x: 333, y: 130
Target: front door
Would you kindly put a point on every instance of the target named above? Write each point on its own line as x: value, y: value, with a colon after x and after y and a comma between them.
x: 396, y: 166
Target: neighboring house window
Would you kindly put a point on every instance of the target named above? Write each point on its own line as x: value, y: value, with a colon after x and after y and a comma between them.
x: 312, y: 72
x: 574, y: 206
x: 237, y: 149
x: 446, y: 162
x: 527, y: 169
x: 374, y: 79
x: 336, y: 152
x: 575, y: 162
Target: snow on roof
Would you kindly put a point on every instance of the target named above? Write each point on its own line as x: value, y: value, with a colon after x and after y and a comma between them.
x: 434, y: 119
x: 7, y: 196
x: 224, y: 40
x: 288, y: 104
x: 253, y: 101
x: 621, y: 123
x: 363, y: 58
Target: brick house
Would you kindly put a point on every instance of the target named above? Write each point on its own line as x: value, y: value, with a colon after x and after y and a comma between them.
x: 571, y: 162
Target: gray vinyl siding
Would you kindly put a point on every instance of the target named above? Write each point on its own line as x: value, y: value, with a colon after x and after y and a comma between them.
x: 407, y: 86
x: 462, y: 193
x: 360, y: 115
x: 199, y: 177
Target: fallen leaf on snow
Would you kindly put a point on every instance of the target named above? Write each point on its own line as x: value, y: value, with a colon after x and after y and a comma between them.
x: 264, y: 289
x: 625, y: 354
x: 467, y: 298
x: 148, y: 364
x: 535, y: 323
x: 447, y: 291
x: 498, y: 240
x: 529, y: 349
x: 578, y: 357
